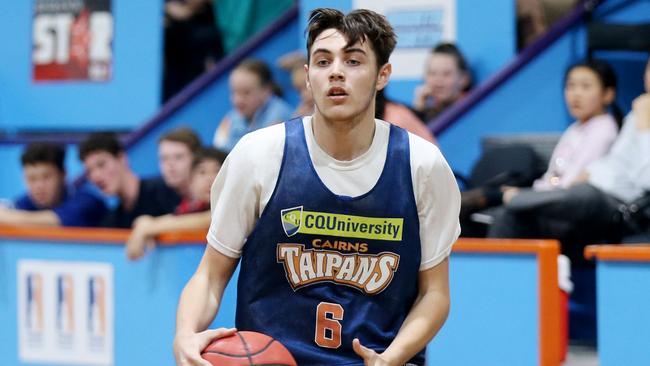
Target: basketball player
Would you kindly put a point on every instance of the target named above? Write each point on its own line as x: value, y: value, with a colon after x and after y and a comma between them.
x: 343, y: 223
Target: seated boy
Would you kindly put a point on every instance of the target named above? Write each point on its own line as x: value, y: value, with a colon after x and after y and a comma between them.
x: 49, y: 202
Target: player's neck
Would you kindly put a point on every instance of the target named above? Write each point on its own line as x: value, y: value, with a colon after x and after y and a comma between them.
x: 344, y: 140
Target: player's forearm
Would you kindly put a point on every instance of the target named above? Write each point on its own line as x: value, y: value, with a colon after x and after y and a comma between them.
x: 202, y: 295
x: 423, y: 322
x: 197, y: 306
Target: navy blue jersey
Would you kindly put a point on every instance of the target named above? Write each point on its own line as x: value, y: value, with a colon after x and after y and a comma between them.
x: 320, y: 269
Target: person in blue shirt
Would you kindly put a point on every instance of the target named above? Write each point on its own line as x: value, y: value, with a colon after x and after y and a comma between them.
x: 48, y: 201
x: 257, y: 103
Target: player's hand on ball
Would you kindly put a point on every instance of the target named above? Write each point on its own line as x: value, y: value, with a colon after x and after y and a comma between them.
x: 370, y: 357
x: 188, y: 347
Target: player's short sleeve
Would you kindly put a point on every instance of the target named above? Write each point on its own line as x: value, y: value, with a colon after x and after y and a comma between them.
x: 438, y: 201
x: 246, y: 179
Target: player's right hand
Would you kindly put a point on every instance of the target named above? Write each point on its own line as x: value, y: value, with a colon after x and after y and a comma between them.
x: 370, y: 357
x: 188, y: 347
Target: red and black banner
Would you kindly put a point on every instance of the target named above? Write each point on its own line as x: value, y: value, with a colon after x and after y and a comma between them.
x: 72, y: 40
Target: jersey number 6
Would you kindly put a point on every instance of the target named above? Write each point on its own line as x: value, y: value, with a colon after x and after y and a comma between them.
x: 328, y: 328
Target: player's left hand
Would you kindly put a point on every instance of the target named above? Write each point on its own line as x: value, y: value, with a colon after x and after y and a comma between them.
x: 370, y: 357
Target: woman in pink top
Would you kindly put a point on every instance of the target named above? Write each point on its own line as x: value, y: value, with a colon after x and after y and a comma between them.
x: 589, y: 91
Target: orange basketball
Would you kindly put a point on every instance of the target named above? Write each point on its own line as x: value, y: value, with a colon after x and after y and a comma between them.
x: 247, y: 349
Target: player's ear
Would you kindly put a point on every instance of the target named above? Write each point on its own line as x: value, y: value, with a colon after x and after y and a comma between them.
x: 383, y: 76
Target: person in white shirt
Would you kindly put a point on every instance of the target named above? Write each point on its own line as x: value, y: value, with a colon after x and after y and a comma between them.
x: 336, y: 213
x: 589, y: 211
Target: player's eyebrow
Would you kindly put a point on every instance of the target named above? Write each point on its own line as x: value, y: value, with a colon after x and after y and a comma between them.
x: 321, y: 50
x: 354, y: 50
x: 346, y: 50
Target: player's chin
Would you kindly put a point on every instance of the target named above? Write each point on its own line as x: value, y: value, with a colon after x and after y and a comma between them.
x: 337, y: 113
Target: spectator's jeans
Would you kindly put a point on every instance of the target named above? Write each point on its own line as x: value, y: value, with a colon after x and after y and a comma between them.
x: 581, y: 214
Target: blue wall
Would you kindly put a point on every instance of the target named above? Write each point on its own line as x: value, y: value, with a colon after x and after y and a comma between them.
x: 623, y: 301
x: 488, y: 42
x: 494, y: 317
x: 146, y: 294
x: 532, y: 100
x: 131, y: 95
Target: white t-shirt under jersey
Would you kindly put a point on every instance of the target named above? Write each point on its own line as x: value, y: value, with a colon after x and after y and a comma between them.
x: 249, y: 175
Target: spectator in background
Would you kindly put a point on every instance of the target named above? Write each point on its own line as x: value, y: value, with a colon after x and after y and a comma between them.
x: 191, y: 213
x: 589, y: 91
x: 175, y: 152
x: 294, y: 63
x: 590, y: 210
x: 446, y: 79
x: 192, y: 43
x: 107, y: 167
x: 534, y: 17
x: 49, y: 202
x: 257, y: 103
x: 400, y: 115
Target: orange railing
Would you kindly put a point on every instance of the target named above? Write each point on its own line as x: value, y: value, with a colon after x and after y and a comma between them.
x: 94, y: 235
x: 626, y: 253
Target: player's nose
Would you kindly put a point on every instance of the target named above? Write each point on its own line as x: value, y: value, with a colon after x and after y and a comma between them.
x: 336, y: 72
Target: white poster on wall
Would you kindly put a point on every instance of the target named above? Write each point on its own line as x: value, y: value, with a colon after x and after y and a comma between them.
x: 419, y: 25
x: 65, y: 312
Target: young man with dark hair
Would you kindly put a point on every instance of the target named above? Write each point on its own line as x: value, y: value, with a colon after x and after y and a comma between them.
x: 107, y: 167
x: 343, y: 223
x: 175, y: 151
x: 49, y: 201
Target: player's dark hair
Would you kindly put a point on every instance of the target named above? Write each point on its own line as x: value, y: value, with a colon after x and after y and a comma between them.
x: 44, y: 153
x: 208, y: 153
x: 263, y: 72
x: 607, y: 77
x: 357, y: 26
x: 98, y: 142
